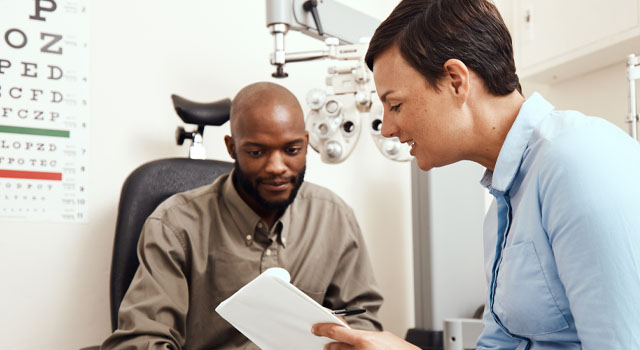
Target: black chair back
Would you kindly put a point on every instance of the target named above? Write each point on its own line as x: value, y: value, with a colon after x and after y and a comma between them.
x: 144, y: 189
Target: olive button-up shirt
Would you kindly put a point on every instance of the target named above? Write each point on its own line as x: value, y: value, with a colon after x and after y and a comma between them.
x: 201, y: 246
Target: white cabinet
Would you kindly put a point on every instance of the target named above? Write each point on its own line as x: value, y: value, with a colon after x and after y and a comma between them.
x: 560, y: 39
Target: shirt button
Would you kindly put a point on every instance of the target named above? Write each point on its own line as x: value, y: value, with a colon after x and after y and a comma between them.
x: 259, y: 225
x: 249, y: 237
x: 268, y: 252
x: 284, y: 240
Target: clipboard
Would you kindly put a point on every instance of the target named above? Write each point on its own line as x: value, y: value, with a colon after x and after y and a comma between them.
x: 275, y: 315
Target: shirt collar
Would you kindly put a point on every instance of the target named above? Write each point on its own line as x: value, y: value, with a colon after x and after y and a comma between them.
x: 533, y: 110
x: 246, y: 219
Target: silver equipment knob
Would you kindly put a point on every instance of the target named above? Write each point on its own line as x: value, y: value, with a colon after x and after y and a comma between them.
x: 391, y: 147
x: 332, y: 107
x: 333, y: 149
x: 316, y: 98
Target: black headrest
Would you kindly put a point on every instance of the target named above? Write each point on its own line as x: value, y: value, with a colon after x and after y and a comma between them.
x: 213, y: 113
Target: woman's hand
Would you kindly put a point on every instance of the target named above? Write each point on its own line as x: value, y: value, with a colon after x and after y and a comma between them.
x: 353, y: 339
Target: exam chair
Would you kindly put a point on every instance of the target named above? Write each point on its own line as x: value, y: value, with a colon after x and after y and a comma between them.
x: 153, y: 182
x: 147, y: 187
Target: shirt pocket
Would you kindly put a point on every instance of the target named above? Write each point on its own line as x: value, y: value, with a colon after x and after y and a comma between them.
x: 523, y: 301
x: 229, y: 275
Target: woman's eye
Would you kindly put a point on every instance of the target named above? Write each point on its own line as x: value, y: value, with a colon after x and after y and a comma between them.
x: 395, y: 108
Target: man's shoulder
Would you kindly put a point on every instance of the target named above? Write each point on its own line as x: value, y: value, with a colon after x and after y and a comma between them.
x: 315, y: 202
x: 319, y: 195
x: 190, y: 200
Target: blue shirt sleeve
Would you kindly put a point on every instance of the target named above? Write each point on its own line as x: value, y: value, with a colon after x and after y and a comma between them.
x: 589, y: 191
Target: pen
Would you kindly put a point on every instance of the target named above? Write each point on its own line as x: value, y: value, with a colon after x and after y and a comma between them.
x: 349, y: 312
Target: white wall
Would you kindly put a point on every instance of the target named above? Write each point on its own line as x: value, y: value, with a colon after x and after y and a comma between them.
x: 55, y: 276
x: 601, y: 92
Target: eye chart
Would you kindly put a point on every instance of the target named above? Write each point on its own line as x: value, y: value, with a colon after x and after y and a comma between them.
x: 44, y: 110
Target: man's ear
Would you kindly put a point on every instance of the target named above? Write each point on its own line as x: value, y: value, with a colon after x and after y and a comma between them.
x: 231, y: 147
x: 458, y: 74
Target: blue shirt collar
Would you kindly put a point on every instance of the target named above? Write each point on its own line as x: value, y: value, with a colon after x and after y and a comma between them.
x: 533, y: 110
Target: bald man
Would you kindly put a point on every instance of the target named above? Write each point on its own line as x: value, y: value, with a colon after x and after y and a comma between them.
x: 201, y: 246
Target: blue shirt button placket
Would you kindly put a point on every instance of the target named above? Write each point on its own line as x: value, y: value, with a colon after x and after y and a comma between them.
x: 504, y: 224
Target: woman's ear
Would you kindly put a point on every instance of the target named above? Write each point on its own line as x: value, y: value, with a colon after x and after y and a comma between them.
x: 458, y: 75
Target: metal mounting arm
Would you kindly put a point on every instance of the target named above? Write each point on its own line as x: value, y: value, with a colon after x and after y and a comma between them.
x: 320, y: 19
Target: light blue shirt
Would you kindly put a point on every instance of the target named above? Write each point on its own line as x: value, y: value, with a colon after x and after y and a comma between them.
x: 562, y: 237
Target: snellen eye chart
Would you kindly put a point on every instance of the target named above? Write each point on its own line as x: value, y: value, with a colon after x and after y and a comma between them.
x: 44, y: 110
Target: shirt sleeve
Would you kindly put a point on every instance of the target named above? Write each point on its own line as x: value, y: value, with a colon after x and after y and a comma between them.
x: 154, y: 309
x: 589, y: 195
x: 353, y: 284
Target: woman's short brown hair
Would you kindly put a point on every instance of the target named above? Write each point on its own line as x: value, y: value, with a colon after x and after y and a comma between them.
x: 430, y: 32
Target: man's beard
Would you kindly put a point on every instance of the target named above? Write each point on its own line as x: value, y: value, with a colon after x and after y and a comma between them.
x: 243, y: 183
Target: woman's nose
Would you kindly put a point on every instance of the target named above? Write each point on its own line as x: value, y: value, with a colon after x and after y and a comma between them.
x: 389, y: 127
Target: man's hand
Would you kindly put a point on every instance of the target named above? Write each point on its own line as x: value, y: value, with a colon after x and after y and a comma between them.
x: 353, y: 339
